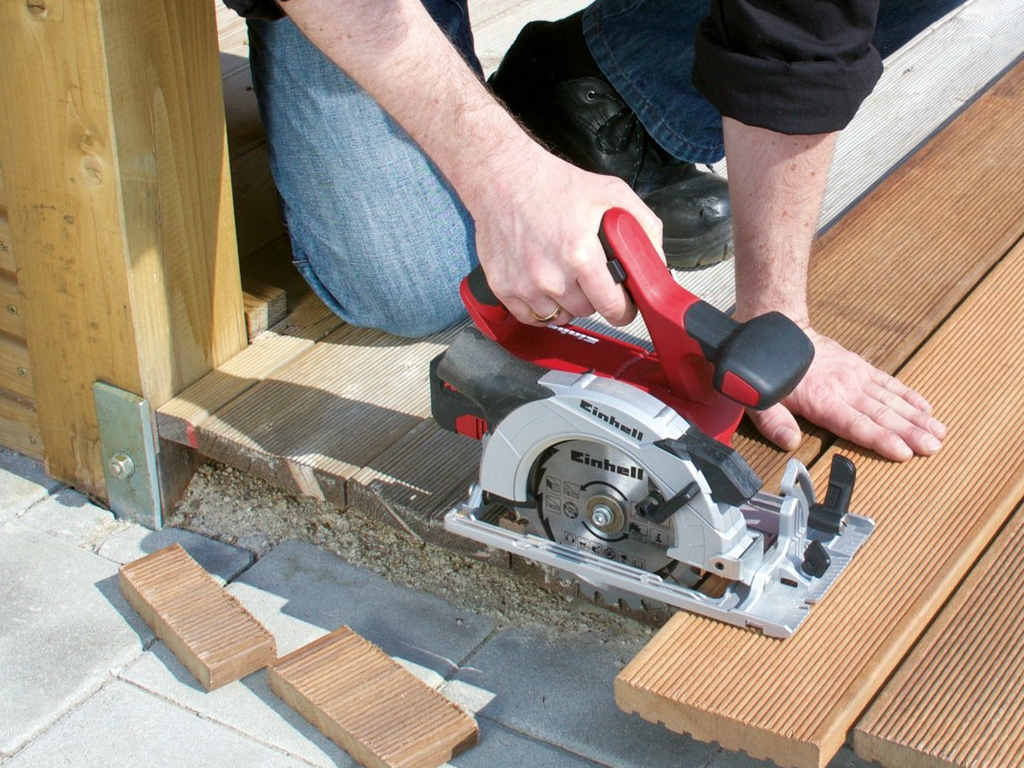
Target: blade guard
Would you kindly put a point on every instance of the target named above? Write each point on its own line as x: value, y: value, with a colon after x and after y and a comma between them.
x: 705, y: 365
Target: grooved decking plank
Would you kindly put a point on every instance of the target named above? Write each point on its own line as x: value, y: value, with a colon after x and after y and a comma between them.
x: 417, y: 480
x: 895, y: 265
x: 793, y: 701
x: 320, y: 419
x: 205, y: 626
x: 370, y: 705
x: 309, y: 322
x: 958, y: 699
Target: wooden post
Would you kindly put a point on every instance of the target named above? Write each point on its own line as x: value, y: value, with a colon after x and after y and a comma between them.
x: 118, y: 191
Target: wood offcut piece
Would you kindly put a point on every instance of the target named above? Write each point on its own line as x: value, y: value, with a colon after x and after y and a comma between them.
x: 370, y: 705
x: 209, y: 631
x: 958, y: 699
x: 793, y: 701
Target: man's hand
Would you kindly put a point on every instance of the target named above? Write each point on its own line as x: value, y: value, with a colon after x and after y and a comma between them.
x: 537, y: 239
x: 854, y: 400
x: 776, y: 183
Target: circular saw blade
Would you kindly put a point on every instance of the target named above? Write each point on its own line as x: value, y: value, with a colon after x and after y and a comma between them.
x: 587, y: 494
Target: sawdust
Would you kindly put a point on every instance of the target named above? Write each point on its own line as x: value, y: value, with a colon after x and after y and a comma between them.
x: 229, y: 505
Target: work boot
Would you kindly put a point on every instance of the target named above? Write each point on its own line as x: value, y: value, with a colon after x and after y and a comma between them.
x: 551, y: 83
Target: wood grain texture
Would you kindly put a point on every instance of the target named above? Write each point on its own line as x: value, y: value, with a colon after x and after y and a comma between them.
x: 330, y: 412
x: 265, y: 306
x: 308, y: 323
x: 19, y: 425
x: 118, y: 198
x: 958, y: 699
x: 370, y: 705
x: 894, y: 266
x: 15, y: 369
x: 416, y: 480
x: 271, y: 284
x: 205, y: 626
x: 794, y: 700
x: 7, y: 263
x: 12, y: 306
x: 175, y: 185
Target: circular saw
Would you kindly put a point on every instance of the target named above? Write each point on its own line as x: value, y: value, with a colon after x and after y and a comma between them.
x: 616, y: 458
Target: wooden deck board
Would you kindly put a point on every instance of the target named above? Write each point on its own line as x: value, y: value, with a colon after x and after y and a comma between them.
x: 206, y: 627
x: 793, y: 701
x: 894, y: 266
x: 418, y: 479
x: 323, y: 417
x: 958, y: 699
x: 370, y: 705
x: 306, y: 325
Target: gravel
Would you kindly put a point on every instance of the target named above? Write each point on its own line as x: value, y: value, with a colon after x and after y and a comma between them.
x: 229, y: 505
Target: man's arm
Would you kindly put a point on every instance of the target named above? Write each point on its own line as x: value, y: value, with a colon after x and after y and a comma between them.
x: 536, y: 216
x: 776, y: 183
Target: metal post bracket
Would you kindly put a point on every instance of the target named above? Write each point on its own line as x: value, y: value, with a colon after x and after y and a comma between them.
x: 128, y: 442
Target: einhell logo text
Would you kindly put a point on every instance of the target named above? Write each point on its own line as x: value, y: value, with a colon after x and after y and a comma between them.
x: 580, y: 457
x: 611, y: 421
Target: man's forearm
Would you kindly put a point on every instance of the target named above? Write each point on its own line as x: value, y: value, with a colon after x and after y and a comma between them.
x: 395, y: 51
x: 776, y: 183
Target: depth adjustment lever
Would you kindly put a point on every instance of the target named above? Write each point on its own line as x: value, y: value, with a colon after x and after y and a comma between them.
x: 827, y: 516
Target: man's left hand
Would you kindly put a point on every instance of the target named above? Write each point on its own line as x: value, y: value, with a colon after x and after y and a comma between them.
x: 851, y: 398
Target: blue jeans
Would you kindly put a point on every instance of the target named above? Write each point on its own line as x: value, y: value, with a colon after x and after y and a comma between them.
x: 376, y: 230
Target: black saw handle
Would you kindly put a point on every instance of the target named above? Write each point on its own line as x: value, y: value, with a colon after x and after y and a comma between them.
x: 476, y: 383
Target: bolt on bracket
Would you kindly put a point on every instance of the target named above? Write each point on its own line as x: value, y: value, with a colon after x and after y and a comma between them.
x: 128, y: 442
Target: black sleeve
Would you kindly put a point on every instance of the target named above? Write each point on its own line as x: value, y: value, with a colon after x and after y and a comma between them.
x: 793, y: 66
x: 255, y: 9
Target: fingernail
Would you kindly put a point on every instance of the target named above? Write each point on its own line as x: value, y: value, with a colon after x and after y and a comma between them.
x: 931, y: 444
x: 937, y: 428
x: 786, y: 437
x: 904, y: 452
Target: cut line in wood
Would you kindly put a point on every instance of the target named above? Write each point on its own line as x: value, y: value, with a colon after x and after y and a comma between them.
x: 958, y: 699
x: 793, y: 701
x: 370, y: 705
x: 205, y: 626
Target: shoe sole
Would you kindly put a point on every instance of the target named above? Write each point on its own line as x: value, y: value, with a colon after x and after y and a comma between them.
x: 695, y: 253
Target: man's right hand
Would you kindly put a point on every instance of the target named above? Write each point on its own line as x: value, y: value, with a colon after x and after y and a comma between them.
x: 537, y: 238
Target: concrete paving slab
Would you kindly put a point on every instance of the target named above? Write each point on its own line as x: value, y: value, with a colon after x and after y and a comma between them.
x: 727, y: 759
x: 123, y: 726
x: 71, y: 516
x: 22, y: 483
x: 129, y: 542
x: 248, y: 706
x: 558, y: 689
x: 499, y: 746
x: 300, y: 592
x: 63, y: 628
